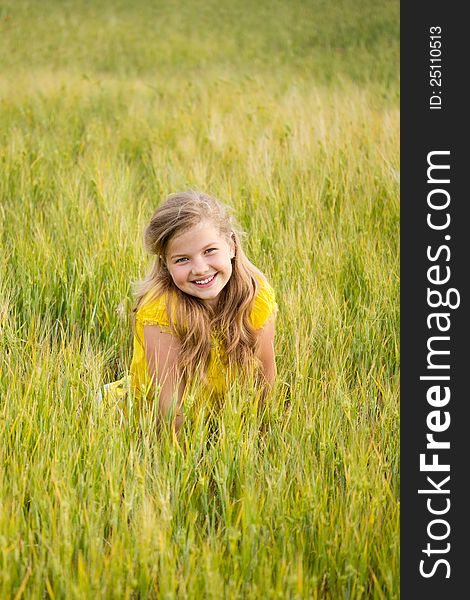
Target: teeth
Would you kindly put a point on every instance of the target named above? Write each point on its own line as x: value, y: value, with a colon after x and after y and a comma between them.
x: 204, y: 281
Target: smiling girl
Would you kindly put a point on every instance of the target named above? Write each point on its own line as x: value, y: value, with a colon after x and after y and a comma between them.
x: 203, y: 314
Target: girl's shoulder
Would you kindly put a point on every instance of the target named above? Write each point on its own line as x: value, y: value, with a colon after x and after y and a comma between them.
x: 152, y: 310
x: 264, y: 304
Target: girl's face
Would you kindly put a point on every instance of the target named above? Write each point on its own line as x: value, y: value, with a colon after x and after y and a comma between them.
x: 199, y: 262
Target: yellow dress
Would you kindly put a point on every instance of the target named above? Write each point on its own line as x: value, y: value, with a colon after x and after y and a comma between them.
x: 153, y: 312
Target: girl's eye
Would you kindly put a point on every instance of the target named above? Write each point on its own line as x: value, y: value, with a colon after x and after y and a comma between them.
x: 179, y: 260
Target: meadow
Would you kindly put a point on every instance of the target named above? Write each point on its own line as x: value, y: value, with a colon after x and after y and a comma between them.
x: 289, y: 112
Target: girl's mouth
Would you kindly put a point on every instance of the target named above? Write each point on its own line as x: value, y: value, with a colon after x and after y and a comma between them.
x: 203, y: 283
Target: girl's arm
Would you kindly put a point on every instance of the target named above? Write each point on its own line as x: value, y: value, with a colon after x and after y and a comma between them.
x: 162, y: 350
x: 266, y: 354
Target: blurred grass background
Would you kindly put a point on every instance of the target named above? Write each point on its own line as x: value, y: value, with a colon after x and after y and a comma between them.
x: 289, y: 111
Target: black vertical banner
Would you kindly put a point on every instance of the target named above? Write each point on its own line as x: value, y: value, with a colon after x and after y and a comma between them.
x: 435, y: 252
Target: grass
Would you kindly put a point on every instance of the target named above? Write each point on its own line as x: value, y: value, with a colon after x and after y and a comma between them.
x: 289, y: 112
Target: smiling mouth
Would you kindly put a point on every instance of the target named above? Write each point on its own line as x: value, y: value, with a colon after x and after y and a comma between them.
x: 205, y: 282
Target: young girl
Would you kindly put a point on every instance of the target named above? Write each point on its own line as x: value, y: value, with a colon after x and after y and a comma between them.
x: 203, y: 314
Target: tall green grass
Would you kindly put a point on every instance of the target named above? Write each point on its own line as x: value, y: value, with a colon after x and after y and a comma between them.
x: 289, y: 112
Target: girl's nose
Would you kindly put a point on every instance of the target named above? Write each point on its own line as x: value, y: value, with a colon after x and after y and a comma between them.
x: 200, y: 267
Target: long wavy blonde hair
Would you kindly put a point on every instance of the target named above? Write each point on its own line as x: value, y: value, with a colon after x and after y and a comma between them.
x: 191, y: 320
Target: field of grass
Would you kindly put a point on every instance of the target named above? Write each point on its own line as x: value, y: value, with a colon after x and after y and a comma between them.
x: 289, y: 111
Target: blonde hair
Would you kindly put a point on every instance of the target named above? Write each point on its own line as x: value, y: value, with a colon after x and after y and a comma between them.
x: 194, y: 320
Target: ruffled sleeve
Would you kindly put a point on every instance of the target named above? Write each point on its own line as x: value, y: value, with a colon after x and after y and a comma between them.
x: 265, y: 305
x: 153, y: 312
